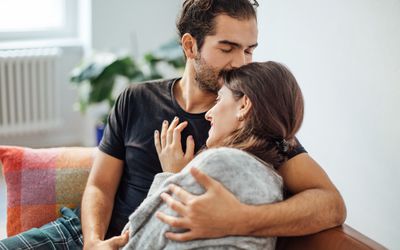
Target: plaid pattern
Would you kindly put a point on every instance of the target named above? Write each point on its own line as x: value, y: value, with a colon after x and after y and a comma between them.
x: 41, y: 181
x: 64, y: 233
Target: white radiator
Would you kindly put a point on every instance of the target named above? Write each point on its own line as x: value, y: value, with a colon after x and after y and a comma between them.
x: 29, y: 96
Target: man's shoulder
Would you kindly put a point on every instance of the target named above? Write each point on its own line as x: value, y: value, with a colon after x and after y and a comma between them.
x: 153, y: 85
x: 142, y: 91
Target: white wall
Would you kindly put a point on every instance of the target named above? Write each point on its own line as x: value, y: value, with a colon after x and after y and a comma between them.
x: 346, y: 57
x: 133, y: 26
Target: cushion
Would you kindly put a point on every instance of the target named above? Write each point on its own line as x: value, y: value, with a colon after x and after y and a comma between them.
x: 41, y: 181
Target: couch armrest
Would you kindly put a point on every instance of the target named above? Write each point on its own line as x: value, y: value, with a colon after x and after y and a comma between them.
x: 341, y: 237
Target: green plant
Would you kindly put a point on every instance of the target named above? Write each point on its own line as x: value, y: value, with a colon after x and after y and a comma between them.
x: 96, y: 79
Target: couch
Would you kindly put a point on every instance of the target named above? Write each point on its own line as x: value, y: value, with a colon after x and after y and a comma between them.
x: 40, y: 181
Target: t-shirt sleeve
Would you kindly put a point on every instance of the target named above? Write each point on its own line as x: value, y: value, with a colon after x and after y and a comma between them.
x: 298, y: 149
x: 112, y: 142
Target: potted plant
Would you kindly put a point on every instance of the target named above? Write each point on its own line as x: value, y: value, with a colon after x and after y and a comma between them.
x: 101, y: 78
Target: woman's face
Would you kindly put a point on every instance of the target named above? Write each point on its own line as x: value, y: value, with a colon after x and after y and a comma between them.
x: 223, y: 117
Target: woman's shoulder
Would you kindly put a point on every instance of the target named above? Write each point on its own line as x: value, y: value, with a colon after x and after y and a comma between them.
x: 224, y: 154
x: 234, y: 161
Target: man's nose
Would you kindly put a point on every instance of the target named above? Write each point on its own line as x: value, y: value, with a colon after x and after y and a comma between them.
x: 239, y: 60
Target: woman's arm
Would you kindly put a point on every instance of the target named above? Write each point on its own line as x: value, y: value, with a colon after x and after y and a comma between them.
x: 254, y: 184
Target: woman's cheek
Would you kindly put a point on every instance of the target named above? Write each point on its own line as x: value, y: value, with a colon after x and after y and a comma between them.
x: 211, y: 137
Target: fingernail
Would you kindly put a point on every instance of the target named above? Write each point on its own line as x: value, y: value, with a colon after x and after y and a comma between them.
x: 176, y: 118
x: 165, y: 122
x: 190, y: 137
x: 155, y: 132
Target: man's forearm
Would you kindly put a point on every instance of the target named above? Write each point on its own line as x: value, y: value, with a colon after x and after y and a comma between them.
x: 307, y: 212
x: 95, y: 213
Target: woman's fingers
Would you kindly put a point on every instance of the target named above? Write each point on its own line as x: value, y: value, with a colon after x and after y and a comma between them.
x: 171, y: 128
x: 176, y: 139
x: 189, y: 147
x: 171, y: 135
x: 164, y: 129
x: 157, y: 141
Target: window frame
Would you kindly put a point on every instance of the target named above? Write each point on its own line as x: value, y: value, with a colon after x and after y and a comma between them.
x: 69, y: 30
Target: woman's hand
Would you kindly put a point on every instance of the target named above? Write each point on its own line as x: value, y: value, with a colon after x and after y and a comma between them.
x: 169, y: 147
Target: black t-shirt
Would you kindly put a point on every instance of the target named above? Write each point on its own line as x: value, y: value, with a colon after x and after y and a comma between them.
x: 139, y: 110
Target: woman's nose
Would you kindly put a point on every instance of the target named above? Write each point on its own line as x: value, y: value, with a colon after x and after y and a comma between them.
x: 208, y: 115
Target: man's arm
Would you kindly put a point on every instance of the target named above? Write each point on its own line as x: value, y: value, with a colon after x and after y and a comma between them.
x: 98, y: 202
x: 315, y: 205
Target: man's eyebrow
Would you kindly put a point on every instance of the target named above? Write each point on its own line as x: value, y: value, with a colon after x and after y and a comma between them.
x: 237, y: 45
x: 253, y: 46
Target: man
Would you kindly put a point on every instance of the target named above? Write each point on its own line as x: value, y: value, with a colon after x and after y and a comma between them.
x: 215, y: 35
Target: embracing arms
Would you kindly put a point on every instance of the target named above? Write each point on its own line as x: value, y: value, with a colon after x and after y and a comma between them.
x: 316, y: 205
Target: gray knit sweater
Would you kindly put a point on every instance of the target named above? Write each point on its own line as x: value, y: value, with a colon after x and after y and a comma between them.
x: 251, y: 181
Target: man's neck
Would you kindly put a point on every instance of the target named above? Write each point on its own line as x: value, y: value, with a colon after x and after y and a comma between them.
x: 190, y: 97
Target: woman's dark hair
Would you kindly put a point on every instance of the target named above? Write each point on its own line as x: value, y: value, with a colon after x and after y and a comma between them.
x: 276, y: 113
x: 197, y: 17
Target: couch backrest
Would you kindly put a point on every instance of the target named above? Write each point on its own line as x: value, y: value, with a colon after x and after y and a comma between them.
x: 338, y: 238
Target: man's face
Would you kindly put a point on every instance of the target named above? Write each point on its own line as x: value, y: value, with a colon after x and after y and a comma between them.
x: 231, y: 46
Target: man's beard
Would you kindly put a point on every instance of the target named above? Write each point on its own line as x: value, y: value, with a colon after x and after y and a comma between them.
x: 206, y: 76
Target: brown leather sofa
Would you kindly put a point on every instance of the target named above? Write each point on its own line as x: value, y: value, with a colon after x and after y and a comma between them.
x: 342, y: 237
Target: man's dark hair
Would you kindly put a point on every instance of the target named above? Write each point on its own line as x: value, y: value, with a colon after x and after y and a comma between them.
x: 198, y: 16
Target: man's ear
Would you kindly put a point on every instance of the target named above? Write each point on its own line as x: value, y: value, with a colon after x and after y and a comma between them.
x: 189, y: 46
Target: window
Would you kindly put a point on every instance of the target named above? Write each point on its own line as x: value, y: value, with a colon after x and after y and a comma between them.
x: 27, y: 19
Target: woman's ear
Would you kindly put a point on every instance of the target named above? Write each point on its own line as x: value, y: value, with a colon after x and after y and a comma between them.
x: 244, y: 107
x: 189, y: 46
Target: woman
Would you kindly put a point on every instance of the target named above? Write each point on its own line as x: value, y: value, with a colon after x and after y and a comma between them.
x: 258, y: 111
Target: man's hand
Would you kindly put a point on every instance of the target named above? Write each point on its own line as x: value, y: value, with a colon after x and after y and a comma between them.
x: 113, y: 243
x: 169, y: 147
x: 213, y: 214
